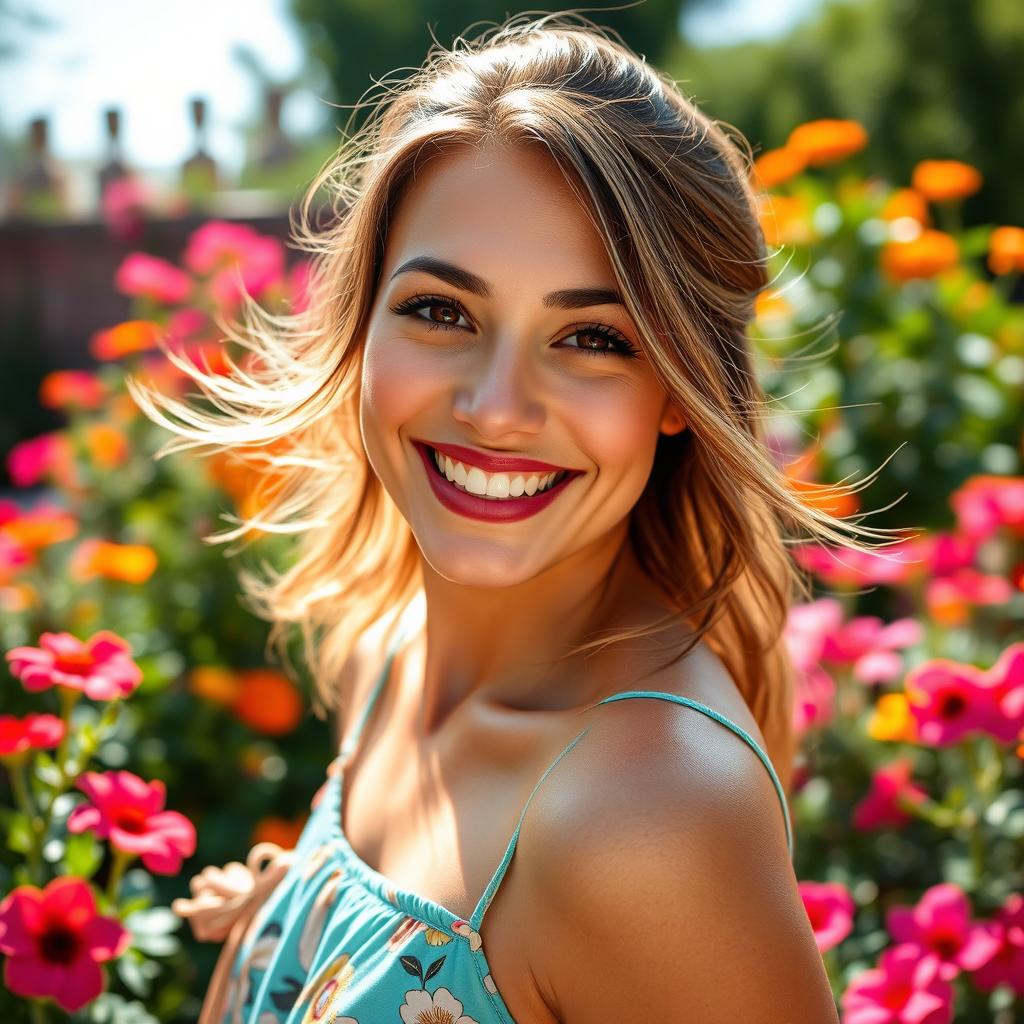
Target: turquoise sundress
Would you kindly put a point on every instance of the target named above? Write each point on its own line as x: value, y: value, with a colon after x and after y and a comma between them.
x: 337, y: 941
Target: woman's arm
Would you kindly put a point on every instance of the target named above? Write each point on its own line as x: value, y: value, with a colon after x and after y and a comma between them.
x: 668, y: 895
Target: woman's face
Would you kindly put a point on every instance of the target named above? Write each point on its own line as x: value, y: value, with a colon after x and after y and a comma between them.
x: 521, y: 353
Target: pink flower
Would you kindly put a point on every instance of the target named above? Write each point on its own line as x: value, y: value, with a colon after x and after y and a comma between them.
x: 154, y: 278
x: 55, y: 941
x: 235, y: 256
x: 13, y: 556
x: 848, y: 567
x: 948, y: 700
x: 814, y: 706
x: 29, y: 461
x: 129, y: 812
x: 941, y: 925
x: 905, y: 988
x: 1006, y: 966
x: 101, y: 667
x: 984, y: 504
x: 1006, y: 682
x: 880, y: 808
x: 33, y: 732
x: 968, y: 586
x: 869, y: 646
x: 829, y: 908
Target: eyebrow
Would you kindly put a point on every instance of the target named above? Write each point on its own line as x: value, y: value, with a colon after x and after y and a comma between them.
x: 457, y: 277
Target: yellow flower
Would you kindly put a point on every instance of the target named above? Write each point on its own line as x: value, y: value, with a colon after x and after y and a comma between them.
x: 891, y: 719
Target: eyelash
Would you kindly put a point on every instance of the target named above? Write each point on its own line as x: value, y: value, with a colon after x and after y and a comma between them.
x: 627, y: 349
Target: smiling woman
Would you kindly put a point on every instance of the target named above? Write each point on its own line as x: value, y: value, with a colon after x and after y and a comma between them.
x: 529, y: 486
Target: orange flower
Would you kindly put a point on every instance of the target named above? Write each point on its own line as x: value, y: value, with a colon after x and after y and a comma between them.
x: 905, y: 202
x: 834, y: 501
x: 41, y: 527
x: 1006, y: 250
x: 827, y: 141
x: 931, y: 253
x: 777, y: 166
x: 215, y: 684
x: 267, y: 701
x: 283, y: 831
x: 108, y: 446
x: 784, y: 220
x: 64, y: 388
x: 127, y: 563
x: 249, y: 484
x: 771, y: 305
x: 18, y: 597
x: 125, y: 339
x: 942, y: 181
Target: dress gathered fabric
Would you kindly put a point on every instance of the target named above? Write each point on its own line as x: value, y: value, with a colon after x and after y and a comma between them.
x: 337, y: 941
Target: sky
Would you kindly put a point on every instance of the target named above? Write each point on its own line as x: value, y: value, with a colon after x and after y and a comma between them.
x: 149, y: 57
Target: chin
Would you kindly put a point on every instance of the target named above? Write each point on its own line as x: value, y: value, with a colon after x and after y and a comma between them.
x: 478, y: 563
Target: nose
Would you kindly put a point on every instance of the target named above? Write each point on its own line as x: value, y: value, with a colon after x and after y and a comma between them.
x: 499, y: 395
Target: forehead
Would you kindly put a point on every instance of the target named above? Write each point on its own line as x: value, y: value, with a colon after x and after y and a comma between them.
x: 506, y: 213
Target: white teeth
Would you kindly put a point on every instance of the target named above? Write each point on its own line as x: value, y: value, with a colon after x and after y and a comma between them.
x: 497, y: 486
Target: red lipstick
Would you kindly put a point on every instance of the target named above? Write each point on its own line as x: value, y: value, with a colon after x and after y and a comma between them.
x: 490, y: 462
x: 495, y: 510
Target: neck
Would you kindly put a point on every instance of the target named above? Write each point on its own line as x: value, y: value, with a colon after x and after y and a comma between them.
x: 509, y: 644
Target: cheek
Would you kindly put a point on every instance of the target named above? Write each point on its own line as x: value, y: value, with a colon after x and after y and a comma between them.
x: 617, y: 426
x: 393, y: 385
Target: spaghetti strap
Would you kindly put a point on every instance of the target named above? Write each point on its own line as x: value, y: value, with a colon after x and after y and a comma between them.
x: 492, y: 887
x: 476, y: 920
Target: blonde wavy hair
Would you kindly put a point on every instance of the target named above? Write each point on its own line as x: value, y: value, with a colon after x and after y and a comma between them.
x: 668, y: 190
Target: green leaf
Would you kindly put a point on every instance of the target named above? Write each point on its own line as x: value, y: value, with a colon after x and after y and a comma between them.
x: 19, y: 834
x: 82, y: 854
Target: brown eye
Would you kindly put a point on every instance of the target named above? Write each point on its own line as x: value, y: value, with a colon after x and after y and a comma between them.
x: 450, y: 310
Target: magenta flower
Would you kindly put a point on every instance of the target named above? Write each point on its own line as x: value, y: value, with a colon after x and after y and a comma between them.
x: 968, y: 586
x: 234, y: 256
x: 948, y: 701
x: 101, y: 667
x: 881, y: 808
x: 1006, y: 966
x: 851, y: 568
x: 905, y: 988
x: 829, y: 908
x: 33, y: 732
x: 814, y: 705
x: 941, y: 925
x: 129, y: 812
x: 1006, y: 682
x: 816, y: 632
x: 984, y: 504
x: 29, y: 461
x: 153, y: 278
x: 869, y: 646
x: 55, y: 942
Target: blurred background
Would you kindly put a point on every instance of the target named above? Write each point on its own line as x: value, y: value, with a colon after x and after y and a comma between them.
x: 227, y: 109
x: 150, y: 152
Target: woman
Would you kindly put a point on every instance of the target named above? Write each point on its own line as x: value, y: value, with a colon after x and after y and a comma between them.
x: 526, y: 469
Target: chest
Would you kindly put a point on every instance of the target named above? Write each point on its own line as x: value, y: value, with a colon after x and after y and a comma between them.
x: 440, y: 827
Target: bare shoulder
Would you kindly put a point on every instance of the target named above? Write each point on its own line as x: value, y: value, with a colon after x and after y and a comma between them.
x: 664, y: 885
